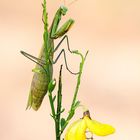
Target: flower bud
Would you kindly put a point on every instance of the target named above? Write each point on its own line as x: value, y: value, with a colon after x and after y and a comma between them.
x: 51, y: 85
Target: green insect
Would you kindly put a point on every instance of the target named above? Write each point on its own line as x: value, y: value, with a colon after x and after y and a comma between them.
x: 43, y: 70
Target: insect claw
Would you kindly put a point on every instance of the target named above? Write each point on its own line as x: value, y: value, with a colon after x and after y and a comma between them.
x: 75, y: 51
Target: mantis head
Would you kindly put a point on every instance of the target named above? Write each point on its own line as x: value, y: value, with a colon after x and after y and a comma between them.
x: 63, y: 10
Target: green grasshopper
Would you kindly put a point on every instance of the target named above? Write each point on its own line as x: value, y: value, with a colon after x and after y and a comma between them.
x: 44, y: 63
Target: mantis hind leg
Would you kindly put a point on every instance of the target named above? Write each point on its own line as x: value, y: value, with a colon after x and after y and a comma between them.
x: 63, y: 51
x: 34, y: 59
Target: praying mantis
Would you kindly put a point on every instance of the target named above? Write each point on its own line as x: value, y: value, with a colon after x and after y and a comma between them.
x: 43, y: 71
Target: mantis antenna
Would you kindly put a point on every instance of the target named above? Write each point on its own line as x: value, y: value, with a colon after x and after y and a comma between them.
x: 64, y: 1
x: 72, y: 2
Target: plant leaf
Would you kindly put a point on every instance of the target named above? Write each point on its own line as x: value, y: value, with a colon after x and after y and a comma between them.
x: 77, y: 104
x: 71, y: 114
x: 63, y: 121
x: 54, y: 98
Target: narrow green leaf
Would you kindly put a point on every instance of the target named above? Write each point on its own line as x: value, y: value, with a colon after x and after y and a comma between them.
x: 52, y: 116
x: 62, y: 110
x: 77, y: 104
x: 63, y: 121
x: 71, y: 114
x: 54, y: 98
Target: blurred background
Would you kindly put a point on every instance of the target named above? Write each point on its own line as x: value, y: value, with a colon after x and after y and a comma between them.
x: 110, y: 85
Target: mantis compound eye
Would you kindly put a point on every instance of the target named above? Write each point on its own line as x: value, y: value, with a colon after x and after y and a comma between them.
x: 63, y: 9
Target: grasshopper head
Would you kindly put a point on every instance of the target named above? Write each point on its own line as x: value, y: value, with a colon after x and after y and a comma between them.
x: 63, y: 10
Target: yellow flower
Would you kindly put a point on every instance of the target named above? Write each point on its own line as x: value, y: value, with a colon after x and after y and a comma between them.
x: 77, y: 130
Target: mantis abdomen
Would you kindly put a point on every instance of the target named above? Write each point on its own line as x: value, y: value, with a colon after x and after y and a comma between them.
x: 39, y: 85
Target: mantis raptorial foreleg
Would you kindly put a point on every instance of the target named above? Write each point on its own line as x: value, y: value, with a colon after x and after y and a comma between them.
x: 55, y: 32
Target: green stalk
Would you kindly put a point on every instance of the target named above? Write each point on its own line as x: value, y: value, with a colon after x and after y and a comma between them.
x: 52, y: 104
x: 72, y: 109
x: 56, y: 114
x: 78, y: 81
x: 53, y: 110
x: 46, y: 32
x: 45, y: 16
x: 59, y: 105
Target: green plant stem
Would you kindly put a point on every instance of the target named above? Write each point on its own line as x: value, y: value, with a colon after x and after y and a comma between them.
x: 72, y: 109
x: 59, y: 105
x: 78, y: 81
x: 56, y: 115
x: 53, y: 111
x: 45, y: 16
x: 45, y: 37
x: 52, y: 105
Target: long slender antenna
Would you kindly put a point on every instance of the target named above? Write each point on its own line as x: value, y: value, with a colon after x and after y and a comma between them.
x: 72, y: 2
x: 64, y: 1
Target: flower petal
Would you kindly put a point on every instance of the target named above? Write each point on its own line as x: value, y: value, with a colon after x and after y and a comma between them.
x: 80, y: 132
x: 71, y: 132
x: 98, y: 128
